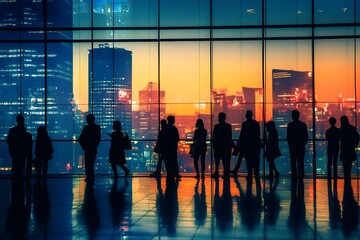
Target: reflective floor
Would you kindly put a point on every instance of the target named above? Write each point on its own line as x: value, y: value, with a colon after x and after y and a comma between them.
x: 144, y: 208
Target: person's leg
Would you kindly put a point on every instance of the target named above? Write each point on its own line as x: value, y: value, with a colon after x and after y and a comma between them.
x: 226, y: 163
x: 329, y: 162
x: 123, y: 167
x: 45, y: 167
x: 347, y: 169
x: 249, y: 166
x: 293, y: 164
x: 301, y: 167
x: 271, y: 166
x: 113, y: 167
x: 158, y: 165
x: 238, y: 164
x: 335, y: 162
x: 256, y: 164
x: 217, y: 163
x: 202, y: 158
x: 196, y: 165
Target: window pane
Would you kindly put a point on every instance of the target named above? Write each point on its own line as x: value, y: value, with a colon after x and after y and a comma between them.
x: 59, y: 13
x: 234, y: 12
x: 288, y: 12
x: 334, y: 11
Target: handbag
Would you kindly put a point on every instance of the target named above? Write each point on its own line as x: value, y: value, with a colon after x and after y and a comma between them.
x: 127, y: 142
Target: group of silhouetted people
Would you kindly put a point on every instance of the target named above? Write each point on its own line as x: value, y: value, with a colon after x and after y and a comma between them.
x: 344, y: 140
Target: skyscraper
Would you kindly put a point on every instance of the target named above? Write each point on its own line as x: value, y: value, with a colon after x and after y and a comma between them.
x: 110, y: 86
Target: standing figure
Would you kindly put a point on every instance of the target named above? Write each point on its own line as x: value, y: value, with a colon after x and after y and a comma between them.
x: 250, y: 144
x: 200, y: 148
x: 171, y: 136
x: 20, y: 148
x: 89, y: 140
x: 349, y: 139
x: 117, y: 150
x: 222, y: 144
x: 332, y: 136
x: 272, y: 150
x: 297, y: 136
x: 43, y: 151
x: 159, y: 149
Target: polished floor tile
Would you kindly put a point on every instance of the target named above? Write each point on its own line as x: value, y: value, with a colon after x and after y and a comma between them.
x: 146, y: 208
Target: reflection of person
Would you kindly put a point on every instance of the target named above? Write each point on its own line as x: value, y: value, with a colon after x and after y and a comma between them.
x: 171, y: 206
x: 297, y: 136
x: 350, y: 210
x: 20, y: 148
x: 332, y: 136
x: 200, y: 148
x: 272, y: 148
x: 222, y: 144
x: 272, y: 202
x: 249, y: 206
x: 251, y: 144
x: 297, y: 214
x: 349, y: 139
x: 43, y: 151
x: 119, y: 202
x: 117, y: 150
x: 223, y: 205
x: 89, y: 140
x: 171, y: 136
x: 334, y: 205
x: 41, y: 202
x: 200, y: 206
x: 159, y: 149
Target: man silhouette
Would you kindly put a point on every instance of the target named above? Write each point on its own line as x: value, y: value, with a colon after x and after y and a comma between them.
x: 20, y: 148
x: 250, y: 144
x: 171, y: 139
x: 332, y: 136
x: 222, y: 144
x: 297, y: 136
x: 89, y: 140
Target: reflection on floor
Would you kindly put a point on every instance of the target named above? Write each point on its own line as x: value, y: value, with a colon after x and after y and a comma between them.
x: 144, y: 208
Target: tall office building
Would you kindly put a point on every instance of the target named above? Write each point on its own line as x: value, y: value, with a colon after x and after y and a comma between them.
x: 110, y: 86
x: 150, y: 113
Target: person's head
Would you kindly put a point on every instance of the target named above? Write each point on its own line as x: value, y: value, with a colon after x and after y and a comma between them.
x: 20, y: 120
x: 295, y: 115
x: 249, y: 114
x: 41, y: 131
x: 270, y: 125
x: 171, y: 119
x: 222, y: 117
x: 90, y: 118
x: 117, y: 125
x: 344, y: 120
x: 199, y: 123
x: 163, y: 122
x: 332, y: 121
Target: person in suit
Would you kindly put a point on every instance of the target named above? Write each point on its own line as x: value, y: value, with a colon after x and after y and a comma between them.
x: 159, y: 149
x: 332, y: 136
x: 89, y: 140
x: 222, y: 145
x: 250, y: 144
x: 349, y: 139
x: 20, y: 148
x: 200, y: 135
x: 171, y: 137
x: 117, y: 150
x: 297, y: 136
x: 43, y: 151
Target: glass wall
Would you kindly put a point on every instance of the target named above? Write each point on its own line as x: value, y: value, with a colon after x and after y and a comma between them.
x: 139, y: 61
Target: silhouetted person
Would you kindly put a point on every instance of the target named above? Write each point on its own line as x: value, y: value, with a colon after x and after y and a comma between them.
x: 171, y: 136
x: 89, y: 140
x: 297, y: 214
x: 117, y: 149
x: 41, y: 202
x: 334, y: 205
x: 297, y: 136
x: 43, y: 151
x: 88, y: 213
x: 20, y: 148
x: 349, y: 139
x: 249, y: 205
x: 223, y: 205
x: 272, y: 202
x: 200, y: 135
x: 250, y: 144
x: 332, y: 136
x: 200, y: 205
x: 222, y: 144
x: 272, y: 150
x: 119, y: 203
x: 159, y: 149
x: 350, y: 211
